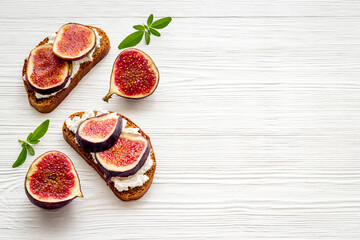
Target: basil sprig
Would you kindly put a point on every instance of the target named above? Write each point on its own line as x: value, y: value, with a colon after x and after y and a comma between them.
x: 33, y: 138
x: 147, y: 29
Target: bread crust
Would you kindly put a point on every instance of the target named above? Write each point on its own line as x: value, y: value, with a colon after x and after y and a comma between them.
x: 132, y: 193
x: 46, y: 105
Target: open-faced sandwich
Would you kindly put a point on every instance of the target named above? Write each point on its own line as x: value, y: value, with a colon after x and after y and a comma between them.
x: 56, y: 65
x: 116, y: 148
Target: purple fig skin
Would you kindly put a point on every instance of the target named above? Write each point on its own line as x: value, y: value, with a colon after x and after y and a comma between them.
x: 109, y: 174
x: 49, y: 90
x: 100, y: 146
x: 81, y: 56
x: 114, y: 89
x: 51, y: 205
x: 47, y: 205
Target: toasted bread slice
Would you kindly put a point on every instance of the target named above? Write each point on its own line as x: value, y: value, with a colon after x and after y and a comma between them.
x: 46, y: 105
x: 132, y: 193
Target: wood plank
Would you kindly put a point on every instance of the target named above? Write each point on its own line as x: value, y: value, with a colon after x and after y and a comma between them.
x: 255, y: 123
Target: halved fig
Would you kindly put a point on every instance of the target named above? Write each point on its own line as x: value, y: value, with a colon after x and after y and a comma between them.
x: 52, y: 181
x: 45, y: 72
x: 74, y: 41
x: 134, y: 75
x: 99, y: 133
x: 125, y: 158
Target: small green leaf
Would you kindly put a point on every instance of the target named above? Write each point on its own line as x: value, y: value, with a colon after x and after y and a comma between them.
x: 150, y: 19
x: 147, y: 38
x: 40, y: 130
x: 131, y: 40
x: 147, y: 27
x: 34, y: 141
x: 154, y: 32
x: 21, y: 158
x: 30, y: 149
x: 139, y: 27
x: 29, y: 136
x: 161, y: 23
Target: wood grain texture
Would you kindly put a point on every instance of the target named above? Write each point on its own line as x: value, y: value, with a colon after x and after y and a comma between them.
x: 255, y: 122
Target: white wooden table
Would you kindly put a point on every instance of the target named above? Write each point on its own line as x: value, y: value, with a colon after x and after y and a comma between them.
x: 255, y: 123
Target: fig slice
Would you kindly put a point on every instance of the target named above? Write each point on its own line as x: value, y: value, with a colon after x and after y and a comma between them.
x: 52, y: 181
x: 125, y: 158
x: 134, y: 75
x: 45, y: 72
x: 74, y: 41
x: 99, y: 133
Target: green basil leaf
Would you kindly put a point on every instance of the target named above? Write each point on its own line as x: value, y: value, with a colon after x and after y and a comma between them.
x: 131, y: 40
x: 150, y: 19
x: 154, y: 32
x: 34, y: 141
x: 21, y: 158
x: 30, y: 149
x: 40, y: 130
x: 29, y: 136
x: 161, y: 23
x: 147, y: 38
x: 139, y: 27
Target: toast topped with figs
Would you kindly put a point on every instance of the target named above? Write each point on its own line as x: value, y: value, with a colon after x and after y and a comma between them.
x: 119, y: 151
x: 58, y: 63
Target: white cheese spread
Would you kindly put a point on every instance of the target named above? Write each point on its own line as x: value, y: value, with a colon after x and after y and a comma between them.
x: 138, y: 179
x: 75, y: 64
x: 120, y: 183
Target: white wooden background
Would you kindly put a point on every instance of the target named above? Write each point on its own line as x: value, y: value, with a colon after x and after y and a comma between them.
x: 255, y: 123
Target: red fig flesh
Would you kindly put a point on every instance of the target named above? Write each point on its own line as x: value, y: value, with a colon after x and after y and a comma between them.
x: 126, y: 157
x: 74, y: 41
x: 45, y: 72
x: 134, y: 75
x: 52, y: 181
x: 99, y: 133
